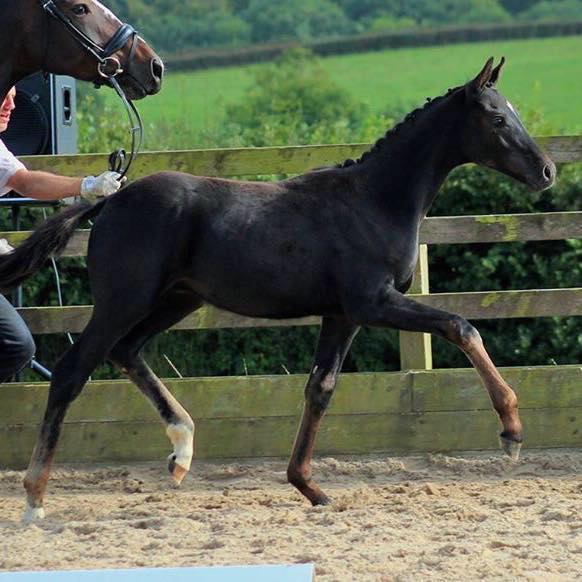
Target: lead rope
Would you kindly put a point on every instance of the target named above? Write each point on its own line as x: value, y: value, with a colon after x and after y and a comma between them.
x: 118, y: 160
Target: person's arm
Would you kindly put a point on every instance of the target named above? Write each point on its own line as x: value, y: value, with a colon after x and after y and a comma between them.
x: 45, y: 186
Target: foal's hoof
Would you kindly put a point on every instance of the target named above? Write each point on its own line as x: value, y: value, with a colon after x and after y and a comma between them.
x: 33, y: 514
x: 177, y: 471
x: 322, y: 499
x: 510, y: 447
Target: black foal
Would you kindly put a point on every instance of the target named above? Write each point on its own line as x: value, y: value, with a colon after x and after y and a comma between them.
x: 338, y: 242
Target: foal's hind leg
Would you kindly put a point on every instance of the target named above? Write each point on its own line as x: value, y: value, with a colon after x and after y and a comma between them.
x: 394, y: 310
x: 335, y: 339
x: 69, y: 376
x: 127, y: 355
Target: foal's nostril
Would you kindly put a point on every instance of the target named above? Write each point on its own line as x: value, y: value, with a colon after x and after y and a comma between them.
x: 549, y: 172
x: 157, y: 69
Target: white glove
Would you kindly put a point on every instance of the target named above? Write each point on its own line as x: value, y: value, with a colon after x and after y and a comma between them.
x: 5, y: 247
x: 103, y: 185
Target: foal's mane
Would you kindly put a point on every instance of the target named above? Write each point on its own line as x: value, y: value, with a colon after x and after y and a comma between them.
x: 396, y: 131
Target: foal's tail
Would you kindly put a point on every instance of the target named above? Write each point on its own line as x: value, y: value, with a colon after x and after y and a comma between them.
x: 48, y: 240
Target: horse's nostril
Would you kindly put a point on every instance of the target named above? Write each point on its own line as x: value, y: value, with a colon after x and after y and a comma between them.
x: 549, y: 172
x: 157, y: 68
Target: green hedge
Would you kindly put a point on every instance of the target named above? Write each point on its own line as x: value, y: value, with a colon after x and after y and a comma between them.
x: 374, y: 42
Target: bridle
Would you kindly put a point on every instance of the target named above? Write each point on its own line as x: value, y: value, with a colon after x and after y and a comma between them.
x: 108, y: 67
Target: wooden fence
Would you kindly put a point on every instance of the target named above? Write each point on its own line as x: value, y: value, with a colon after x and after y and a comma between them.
x: 417, y: 409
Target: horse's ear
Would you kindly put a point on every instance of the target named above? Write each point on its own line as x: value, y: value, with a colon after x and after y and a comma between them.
x: 477, y: 85
x: 496, y: 72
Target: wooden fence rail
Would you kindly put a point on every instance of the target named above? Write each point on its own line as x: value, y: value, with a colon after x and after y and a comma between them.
x: 415, y: 410
x: 476, y: 305
x: 490, y: 228
x: 253, y: 161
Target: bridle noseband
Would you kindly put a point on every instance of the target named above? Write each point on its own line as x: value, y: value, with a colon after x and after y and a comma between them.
x: 108, y: 67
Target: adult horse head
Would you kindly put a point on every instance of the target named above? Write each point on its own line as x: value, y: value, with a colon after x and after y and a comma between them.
x: 82, y: 39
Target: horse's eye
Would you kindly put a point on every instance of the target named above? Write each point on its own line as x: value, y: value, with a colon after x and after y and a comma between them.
x: 80, y: 9
x: 498, y: 121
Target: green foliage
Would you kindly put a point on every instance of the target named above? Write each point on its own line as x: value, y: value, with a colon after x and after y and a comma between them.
x: 427, y: 12
x: 483, y: 11
x: 517, y: 6
x: 359, y: 9
x: 385, y: 22
x: 99, y: 124
x: 295, y: 101
x: 175, y: 27
x: 301, y: 19
x: 554, y: 10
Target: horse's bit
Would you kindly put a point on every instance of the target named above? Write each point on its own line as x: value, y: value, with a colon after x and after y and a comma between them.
x: 108, y: 67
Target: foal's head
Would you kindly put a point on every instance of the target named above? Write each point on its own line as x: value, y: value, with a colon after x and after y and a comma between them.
x: 61, y: 27
x: 493, y: 135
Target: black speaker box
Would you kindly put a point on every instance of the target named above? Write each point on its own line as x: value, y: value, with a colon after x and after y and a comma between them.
x: 44, y: 121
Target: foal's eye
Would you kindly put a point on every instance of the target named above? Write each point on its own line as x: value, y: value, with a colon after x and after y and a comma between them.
x: 498, y: 121
x: 80, y: 9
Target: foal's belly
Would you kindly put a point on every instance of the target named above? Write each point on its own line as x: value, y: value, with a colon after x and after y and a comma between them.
x: 261, y: 283
x: 277, y: 300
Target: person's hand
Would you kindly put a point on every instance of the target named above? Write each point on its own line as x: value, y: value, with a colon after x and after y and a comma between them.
x: 5, y: 247
x: 103, y: 185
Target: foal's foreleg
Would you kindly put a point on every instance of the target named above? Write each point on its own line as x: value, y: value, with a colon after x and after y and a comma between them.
x: 335, y: 339
x: 395, y: 310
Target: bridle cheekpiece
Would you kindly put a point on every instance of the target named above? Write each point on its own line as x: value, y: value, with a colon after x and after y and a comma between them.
x: 108, y: 68
x: 108, y: 65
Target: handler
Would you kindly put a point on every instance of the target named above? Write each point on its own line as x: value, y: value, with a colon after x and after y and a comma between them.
x: 16, y: 344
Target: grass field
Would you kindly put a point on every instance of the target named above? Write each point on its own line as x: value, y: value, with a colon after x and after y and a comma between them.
x: 543, y: 75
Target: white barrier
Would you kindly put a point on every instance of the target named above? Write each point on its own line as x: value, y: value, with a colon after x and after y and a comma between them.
x: 291, y: 573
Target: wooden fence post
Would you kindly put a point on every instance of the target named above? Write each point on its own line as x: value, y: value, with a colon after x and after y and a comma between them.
x: 416, y: 348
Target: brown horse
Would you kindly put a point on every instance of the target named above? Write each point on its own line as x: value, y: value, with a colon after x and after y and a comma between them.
x: 84, y: 40
x: 339, y: 242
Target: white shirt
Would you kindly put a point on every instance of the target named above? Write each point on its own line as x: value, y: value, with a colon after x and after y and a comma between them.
x: 9, y: 165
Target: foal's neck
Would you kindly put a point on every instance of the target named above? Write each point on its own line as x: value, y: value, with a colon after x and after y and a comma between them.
x: 407, y: 171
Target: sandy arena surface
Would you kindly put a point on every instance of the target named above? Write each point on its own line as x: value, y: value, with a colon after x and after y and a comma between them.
x: 431, y: 517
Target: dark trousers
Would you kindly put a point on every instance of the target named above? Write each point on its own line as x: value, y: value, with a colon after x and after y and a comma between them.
x: 16, y: 344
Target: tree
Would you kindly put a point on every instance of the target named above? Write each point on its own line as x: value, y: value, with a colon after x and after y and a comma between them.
x: 294, y: 101
x: 453, y: 11
x: 555, y: 10
x: 484, y: 11
x: 358, y: 9
x: 300, y: 19
x: 517, y: 6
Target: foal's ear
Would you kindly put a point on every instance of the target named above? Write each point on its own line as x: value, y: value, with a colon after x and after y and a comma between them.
x: 496, y: 72
x: 477, y: 85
